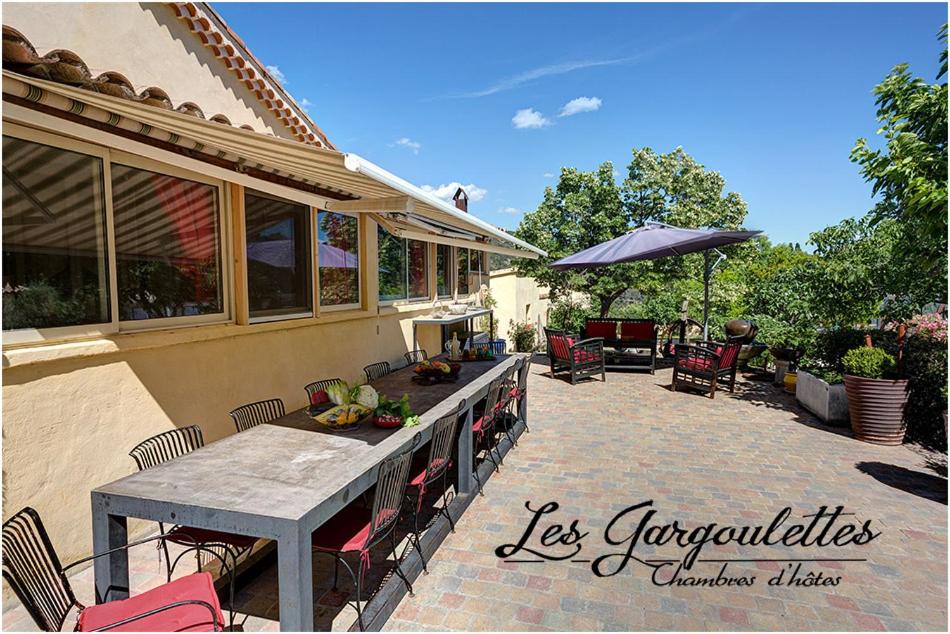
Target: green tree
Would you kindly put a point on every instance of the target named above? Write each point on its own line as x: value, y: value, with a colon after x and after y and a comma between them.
x: 910, y: 173
x: 583, y: 210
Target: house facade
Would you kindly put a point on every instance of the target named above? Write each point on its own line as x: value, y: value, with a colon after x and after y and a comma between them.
x: 181, y: 238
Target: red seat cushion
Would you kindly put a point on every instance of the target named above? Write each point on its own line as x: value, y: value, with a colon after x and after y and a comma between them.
x: 348, y: 530
x: 636, y: 330
x: 583, y: 356
x: 605, y: 329
x: 186, y: 618
x: 694, y: 363
x: 418, y: 472
x: 189, y: 536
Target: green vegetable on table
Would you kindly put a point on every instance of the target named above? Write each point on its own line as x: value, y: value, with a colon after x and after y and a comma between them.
x: 387, y: 407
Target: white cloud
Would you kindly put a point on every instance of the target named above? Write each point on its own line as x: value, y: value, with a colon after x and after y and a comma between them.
x: 409, y: 144
x: 511, y: 211
x: 529, y: 118
x: 509, y: 83
x: 581, y: 104
x: 548, y: 175
x: 445, y: 192
x: 276, y: 73
x: 305, y: 104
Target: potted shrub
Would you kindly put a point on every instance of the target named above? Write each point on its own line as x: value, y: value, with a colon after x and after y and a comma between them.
x: 821, y: 391
x: 524, y: 335
x: 877, y: 399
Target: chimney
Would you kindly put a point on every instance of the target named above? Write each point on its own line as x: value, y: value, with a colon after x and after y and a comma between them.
x: 461, y: 199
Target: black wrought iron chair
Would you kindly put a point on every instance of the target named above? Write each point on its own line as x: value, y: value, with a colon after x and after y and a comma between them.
x: 521, y: 391
x: 316, y: 386
x: 377, y: 370
x: 172, y: 444
x: 508, y: 415
x: 35, y: 574
x: 416, y: 356
x: 254, y: 414
x: 483, y: 427
x: 357, y: 529
x: 430, y: 467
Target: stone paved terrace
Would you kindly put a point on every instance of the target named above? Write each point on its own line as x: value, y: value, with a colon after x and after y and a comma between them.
x: 597, y: 448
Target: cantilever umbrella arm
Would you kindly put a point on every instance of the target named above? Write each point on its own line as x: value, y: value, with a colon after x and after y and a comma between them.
x: 707, y: 276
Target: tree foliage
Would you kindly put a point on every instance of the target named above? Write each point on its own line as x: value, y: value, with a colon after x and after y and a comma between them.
x: 910, y: 172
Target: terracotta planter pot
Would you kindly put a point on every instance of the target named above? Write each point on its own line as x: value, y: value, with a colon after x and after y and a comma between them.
x: 877, y: 409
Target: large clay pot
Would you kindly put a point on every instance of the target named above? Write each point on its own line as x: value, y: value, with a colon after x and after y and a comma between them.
x: 877, y: 408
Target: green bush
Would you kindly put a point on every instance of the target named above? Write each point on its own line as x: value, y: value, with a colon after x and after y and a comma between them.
x: 570, y: 316
x: 829, y: 346
x: 925, y: 364
x: 871, y: 363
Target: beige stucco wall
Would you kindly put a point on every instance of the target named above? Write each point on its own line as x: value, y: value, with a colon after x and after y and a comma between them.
x: 68, y: 424
x: 519, y: 299
x: 150, y: 46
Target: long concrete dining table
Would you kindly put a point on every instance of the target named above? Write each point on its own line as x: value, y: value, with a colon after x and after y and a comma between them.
x: 281, y: 481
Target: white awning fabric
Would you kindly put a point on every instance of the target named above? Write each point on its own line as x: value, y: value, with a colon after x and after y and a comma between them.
x: 347, y: 174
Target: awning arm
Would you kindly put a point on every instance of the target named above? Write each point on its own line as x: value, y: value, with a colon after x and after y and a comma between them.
x: 403, y: 204
x: 360, y: 165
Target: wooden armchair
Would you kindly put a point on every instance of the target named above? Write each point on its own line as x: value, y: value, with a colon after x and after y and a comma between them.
x: 706, y: 365
x: 580, y: 358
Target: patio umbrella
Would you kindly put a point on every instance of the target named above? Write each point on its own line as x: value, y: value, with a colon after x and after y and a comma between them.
x: 658, y: 240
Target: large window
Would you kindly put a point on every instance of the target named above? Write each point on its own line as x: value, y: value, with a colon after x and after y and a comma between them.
x: 443, y: 270
x: 278, y: 257
x: 167, y: 245
x: 403, y: 268
x: 55, y: 260
x: 339, y: 257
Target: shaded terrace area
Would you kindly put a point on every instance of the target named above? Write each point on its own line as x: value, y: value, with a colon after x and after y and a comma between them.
x: 597, y: 448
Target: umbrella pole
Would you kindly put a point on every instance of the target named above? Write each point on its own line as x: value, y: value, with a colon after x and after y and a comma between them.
x: 707, y: 276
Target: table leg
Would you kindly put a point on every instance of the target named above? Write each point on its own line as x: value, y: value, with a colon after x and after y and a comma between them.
x: 295, y: 581
x: 111, y: 571
x: 415, y: 345
x: 465, y: 480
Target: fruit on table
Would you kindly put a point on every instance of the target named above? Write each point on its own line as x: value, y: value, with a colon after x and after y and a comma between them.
x: 343, y: 415
x: 319, y: 397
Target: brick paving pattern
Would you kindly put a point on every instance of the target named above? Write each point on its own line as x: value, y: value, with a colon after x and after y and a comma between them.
x: 598, y: 448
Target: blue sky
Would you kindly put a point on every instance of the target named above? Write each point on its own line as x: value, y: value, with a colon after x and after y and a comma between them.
x: 771, y: 96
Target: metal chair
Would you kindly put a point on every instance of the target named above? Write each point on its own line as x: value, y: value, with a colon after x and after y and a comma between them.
x: 483, y: 428
x: 521, y: 391
x: 316, y: 386
x: 416, y: 356
x: 357, y: 529
x: 507, y: 402
x: 429, y: 468
x: 377, y: 370
x: 254, y: 414
x: 172, y: 444
x: 32, y: 568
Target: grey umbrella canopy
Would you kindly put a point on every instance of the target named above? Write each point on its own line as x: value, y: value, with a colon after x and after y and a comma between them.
x: 653, y: 241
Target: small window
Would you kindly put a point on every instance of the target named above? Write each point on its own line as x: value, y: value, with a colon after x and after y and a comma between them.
x: 462, y: 272
x: 339, y: 256
x: 167, y: 245
x: 278, y: 257
x: 392, y: 267
x: 418, y: 269
x: 443, y: 270
x: 55, y: 260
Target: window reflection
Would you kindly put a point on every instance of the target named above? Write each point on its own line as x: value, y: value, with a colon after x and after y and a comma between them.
x: 339, y: 258
x: 278, y: 256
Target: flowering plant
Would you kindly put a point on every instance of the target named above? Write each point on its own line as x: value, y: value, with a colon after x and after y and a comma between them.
x: 929, y: 326
x: 524, y: 335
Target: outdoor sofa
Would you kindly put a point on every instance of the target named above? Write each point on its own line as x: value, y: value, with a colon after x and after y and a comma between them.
x: 629, y: 344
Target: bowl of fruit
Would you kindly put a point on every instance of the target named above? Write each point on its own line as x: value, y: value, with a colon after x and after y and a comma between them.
x: 435, y: 371
x: 344, y: 418
x: 392, y: 414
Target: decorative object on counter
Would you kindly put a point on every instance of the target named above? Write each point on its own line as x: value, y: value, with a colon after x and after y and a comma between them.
x: 438, y: 310
x: 454, y: 351
x: 436, y: 372
x: 458, y: 309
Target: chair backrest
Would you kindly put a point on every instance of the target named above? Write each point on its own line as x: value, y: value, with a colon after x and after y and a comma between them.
x: 166, y: 445
x: 377, y: 370
x: 32, y: 568
x: 730, y: 353
x: 638, y: 329
x: 558, y: 346
x: 316, y: 386
x: 605, y: 328
x: 416, y: 356
x: 440, y: 447
x: 523, y: 376
x: 254, y: 414
x: 390, y: 492
x: 494, y: 395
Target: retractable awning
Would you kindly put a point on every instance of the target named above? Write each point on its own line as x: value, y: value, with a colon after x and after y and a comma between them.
x: 320, y: 177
